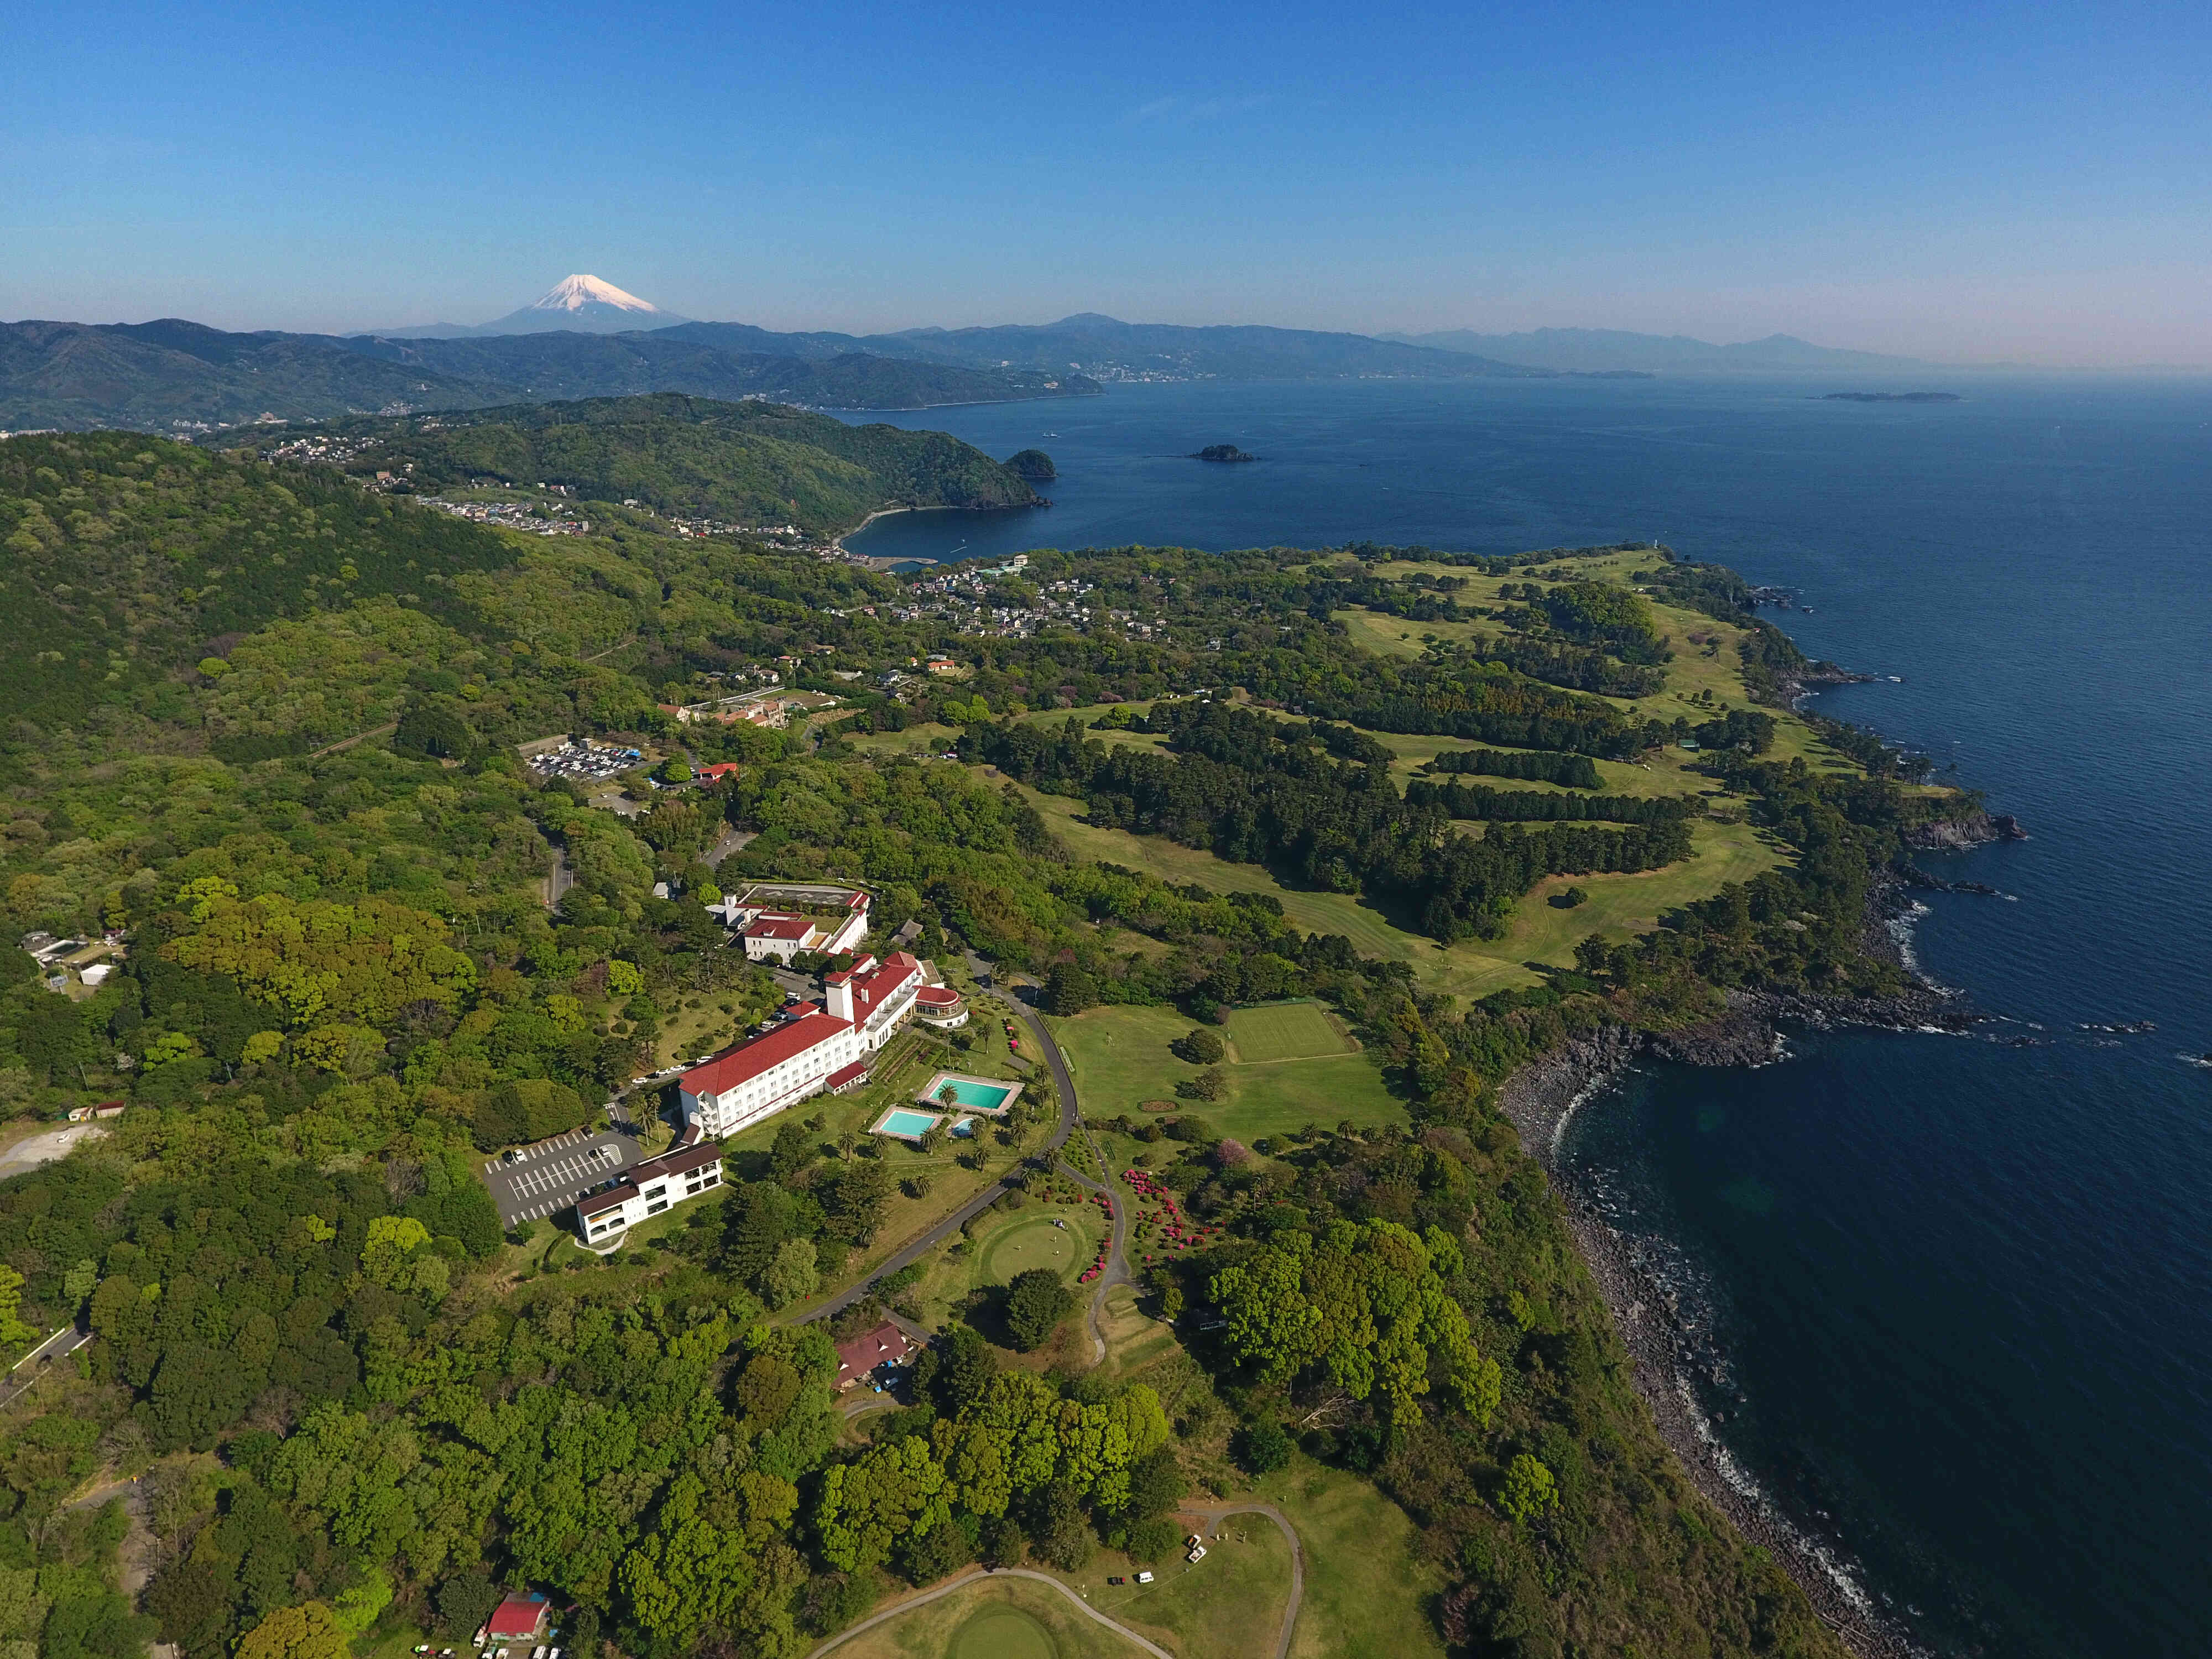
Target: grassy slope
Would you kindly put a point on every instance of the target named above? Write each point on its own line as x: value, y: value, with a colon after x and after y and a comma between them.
x: 1366, y: 1593
x: 1120, y: 1059
x: 1229, y: 1606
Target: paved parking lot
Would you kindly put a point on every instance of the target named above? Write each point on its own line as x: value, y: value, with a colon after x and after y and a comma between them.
x: 554, y: 1174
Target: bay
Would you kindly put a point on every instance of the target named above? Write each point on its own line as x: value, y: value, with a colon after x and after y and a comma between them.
x: 1960, y: 1292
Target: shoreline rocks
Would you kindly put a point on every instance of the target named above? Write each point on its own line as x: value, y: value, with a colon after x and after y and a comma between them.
x: 1541, y: 1098
x: 1977, y: 829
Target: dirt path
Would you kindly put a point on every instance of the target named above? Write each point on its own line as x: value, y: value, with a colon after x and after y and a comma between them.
x: 348, y: 743
x: 975, y: 1575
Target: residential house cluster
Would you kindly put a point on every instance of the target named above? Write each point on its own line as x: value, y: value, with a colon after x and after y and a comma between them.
x: 514, y: 515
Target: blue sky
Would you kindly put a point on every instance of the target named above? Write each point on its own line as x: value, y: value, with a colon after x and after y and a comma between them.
x: 1961, y: 182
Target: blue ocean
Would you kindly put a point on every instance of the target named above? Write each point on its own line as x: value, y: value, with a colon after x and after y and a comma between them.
x: 1960, y: 1291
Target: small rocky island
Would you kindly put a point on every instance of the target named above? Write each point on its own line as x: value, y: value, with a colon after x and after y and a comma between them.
x: 1032, y: 464
x: 1221, y: 452
x: 1893, y: 397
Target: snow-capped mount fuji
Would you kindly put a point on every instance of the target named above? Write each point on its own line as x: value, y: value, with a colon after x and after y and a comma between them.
x: 587, y: 306
x: 576, y: 304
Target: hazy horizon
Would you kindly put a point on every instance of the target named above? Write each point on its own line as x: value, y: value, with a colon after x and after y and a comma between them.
x: 2019, y: 185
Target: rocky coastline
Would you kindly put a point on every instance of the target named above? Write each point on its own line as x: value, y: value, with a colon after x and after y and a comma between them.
x: 1541, y: 1098
x: 1976, y: 829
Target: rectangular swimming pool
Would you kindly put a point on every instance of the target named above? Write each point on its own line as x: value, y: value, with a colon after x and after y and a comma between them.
x: 969, y: 1094
x: 900, y: 1121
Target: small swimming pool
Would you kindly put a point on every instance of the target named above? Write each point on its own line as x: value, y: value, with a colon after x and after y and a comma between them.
x: 900, y: 1121
x: 970, y: 1094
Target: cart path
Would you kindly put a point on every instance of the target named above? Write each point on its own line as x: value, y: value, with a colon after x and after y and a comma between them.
x: 977, y: 1575
x: 1217, y: 1513
x: 1117, y: 1257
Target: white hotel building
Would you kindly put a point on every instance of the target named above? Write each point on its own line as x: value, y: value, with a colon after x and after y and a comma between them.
x: 825, y: 1049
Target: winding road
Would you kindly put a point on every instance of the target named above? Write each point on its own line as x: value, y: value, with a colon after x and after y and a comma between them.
x: 1070, y: 1121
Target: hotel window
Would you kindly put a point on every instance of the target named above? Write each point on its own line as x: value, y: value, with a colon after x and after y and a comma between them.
x: 656, y: 1206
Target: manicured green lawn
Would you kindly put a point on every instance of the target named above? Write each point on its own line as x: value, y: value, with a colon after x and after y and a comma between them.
x: 1230, y: 1605
x: 1030, y: 1241
x: 1120, y: 1060
x: 1284, y: 1030
x: 1620, y: 905
x: 1007, y: 1241
x: 944, y: 1629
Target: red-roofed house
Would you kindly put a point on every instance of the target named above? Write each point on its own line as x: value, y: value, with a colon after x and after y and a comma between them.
x: 518, y: 1619
x: 781, y: 935
x: 886, y: 1345
x: 779, y: 1069
x: 717, y: 772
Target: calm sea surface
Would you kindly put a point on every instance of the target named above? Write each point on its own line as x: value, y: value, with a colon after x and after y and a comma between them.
x: 1961, y: 1293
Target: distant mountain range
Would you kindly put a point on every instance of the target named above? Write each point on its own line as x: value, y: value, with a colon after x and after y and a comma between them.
x: 1601, y: 351
x: 585, y: 337
x: 179, y: 377
x: 577, y: 305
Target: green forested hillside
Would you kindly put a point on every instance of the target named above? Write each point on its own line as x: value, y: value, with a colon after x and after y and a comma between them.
x: 124, y: 559
x: 747, y: 462
x: 353, y: 1407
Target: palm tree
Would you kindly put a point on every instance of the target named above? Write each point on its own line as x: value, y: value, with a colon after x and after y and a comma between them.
x: 847, y: 1144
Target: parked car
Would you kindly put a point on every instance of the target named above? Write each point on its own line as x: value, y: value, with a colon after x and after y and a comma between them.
x: 1197, y: 1553
x: 1116, y: 1580
x: 1144, y: 1577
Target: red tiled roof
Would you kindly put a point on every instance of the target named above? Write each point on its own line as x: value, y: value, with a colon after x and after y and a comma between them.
x: 518, y: 1616
x: 870, y: 1349
x: 938, y: 996
x: 717, y: 772
x: 749, y: 1059
x: 852, y: 1073
x: 882, y: 979
x: 780, y: 927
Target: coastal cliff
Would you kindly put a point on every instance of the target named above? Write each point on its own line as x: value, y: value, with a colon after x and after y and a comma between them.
x: 1668, y: 1355
x: 1976, y: 829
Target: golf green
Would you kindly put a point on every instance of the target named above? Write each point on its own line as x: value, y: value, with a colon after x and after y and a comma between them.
x: 1003, y: 1633
x: 1032, y: 1244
